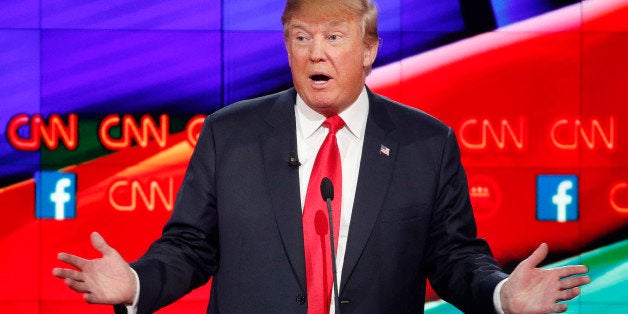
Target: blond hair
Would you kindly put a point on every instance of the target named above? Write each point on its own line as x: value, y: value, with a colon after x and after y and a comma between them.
x: 364, y: 10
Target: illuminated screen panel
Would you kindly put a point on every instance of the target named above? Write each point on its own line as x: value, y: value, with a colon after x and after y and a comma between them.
x: 104, y: 102
x: 101, y: 71
x: 254, y: 61
x: 19, y: 91
x: 512, y: 11
x: 243, y: 15
x: 22, y: 14
x: 131, y: 15
x: 425, y: 15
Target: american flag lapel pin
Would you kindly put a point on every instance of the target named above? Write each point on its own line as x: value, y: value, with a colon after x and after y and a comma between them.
x: 383, y: 149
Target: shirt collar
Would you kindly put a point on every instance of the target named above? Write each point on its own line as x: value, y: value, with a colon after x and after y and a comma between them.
x: 354, y: 116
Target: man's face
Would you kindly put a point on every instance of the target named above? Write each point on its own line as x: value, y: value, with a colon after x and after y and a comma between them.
x: 327, y: 58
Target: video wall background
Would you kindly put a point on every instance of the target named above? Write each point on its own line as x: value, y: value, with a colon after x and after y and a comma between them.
x: 102, y: 102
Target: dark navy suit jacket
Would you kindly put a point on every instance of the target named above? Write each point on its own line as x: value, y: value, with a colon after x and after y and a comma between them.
x: 237, y: 219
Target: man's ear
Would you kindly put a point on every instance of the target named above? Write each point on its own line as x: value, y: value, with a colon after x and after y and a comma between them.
x: 370, y: 53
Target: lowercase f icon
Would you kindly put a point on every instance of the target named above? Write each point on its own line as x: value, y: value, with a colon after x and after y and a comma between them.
x: 55, y: 195
x: 557, y: 198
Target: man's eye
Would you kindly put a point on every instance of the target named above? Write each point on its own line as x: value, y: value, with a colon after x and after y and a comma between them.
x: 334, y: 37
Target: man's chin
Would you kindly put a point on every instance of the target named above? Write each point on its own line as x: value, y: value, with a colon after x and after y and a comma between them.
x: 323, y: 107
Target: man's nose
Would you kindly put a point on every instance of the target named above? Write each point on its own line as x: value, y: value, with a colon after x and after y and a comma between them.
x: 317, y: 50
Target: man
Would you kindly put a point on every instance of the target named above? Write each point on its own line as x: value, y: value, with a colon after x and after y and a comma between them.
x: 247, y: 214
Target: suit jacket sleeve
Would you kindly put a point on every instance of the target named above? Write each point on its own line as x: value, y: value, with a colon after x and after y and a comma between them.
x: 460, y: 266
x: 186, y: 255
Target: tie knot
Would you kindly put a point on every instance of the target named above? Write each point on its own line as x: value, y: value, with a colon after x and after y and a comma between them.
x: 334, y: 123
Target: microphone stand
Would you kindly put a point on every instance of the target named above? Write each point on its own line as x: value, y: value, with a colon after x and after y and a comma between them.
x: 333, y: 255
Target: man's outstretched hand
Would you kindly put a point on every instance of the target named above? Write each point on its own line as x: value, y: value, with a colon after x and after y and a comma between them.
x: 534, y: 290
x: 105, y: 280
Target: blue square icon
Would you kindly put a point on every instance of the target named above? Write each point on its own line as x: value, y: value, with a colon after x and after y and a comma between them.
x: 55, y: 196
x: 557, y: 198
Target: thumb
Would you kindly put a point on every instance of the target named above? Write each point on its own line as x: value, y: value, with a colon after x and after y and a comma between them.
x: 537, y: 256
x: 99, y: 243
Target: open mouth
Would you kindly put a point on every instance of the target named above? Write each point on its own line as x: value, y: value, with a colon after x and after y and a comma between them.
x: 320, y: 78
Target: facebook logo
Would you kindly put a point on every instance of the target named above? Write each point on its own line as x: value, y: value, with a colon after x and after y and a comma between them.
x: 557, y: 198
x: 55, y: 195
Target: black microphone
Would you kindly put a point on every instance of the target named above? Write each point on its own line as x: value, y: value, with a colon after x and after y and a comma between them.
x: 293, y: 160
x: 327, y: 189
x: 327, y: 192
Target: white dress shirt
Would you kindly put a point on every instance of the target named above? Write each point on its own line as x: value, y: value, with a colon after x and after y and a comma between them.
x: 310, y: 136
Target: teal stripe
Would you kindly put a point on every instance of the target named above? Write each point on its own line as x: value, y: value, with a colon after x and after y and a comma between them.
x: 607, y: 293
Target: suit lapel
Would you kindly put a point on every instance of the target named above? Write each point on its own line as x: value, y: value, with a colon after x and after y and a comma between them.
x: 376, y: 169
x: 277, y: 143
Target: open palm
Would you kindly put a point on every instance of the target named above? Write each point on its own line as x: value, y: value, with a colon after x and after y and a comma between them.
x: 534, y: 290
x: 105, y: 280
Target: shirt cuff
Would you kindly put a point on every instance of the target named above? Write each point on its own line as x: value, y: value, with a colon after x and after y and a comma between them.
x: 132, y: 309
x: 497, y: 302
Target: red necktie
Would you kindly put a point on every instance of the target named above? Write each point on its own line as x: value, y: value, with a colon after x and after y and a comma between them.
x: 318, y: 268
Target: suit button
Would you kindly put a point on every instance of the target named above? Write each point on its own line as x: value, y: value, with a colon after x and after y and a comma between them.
x: 300, y: 298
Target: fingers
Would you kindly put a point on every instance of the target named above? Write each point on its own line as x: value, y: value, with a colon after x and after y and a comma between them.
x: 73, y: 260
x: 567, y: 271
x: 537, y: 256
x: 77, y: 286
x: 92, y: 298
x: 97, y: 298
x: 100, y: 245
x: 573, y: 282
x: 68, y: 274
x: 559, y: 308
x: 568, y: 294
